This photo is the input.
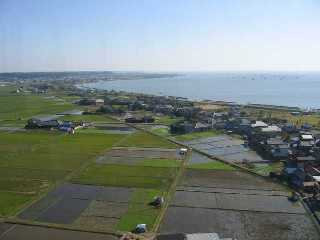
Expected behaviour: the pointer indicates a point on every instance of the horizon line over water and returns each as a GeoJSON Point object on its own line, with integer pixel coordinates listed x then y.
{"type": "Point", "coordinates": [171, 71]}
{"type": "Point", "coordinates": [292, 89]}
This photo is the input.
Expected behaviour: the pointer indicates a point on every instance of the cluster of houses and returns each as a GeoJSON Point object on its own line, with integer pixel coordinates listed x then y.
{"type": "Point", "coordinates": [297, 147]}
{"type": "Point", "coordinates": [52, 122]}
{"type": "Point", "coordinates": [277, 140]}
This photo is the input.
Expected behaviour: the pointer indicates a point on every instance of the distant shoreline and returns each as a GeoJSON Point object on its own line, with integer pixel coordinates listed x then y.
{"type": "Point", "coordinates": [292, 89]}
{"type": "Point", "coordinates": [209, 101]}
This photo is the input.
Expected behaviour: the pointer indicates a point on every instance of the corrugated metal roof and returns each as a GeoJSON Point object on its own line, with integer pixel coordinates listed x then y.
{"type": "Point", "coordinates": [46, 118]}
{"type": "Point", "coordinates": [259, 124]}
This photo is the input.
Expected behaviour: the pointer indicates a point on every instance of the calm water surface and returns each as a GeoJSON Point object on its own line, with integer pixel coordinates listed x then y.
{"type": "Point", "coordinates": [288, 89]}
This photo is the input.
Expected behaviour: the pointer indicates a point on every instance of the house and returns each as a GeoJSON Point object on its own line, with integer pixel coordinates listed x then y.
{"type": "Point", "coordinates": [305, 144]}
{"type": "Point", "coordinates": [136, 119]}
{"type": "Point", "coordinates": [295, 176]}
{"type": "Point", "coordinates": [302, 161]}
{"type": "Point", "coordinates": [220, 115]}
{"type": "Point", "coordinates": [271, 129]}
{"type": "Point", "coordinates": [289, 128]}
{"type": "Point", "coordinates": [277, 148]}
{"type": "Point", "coordinates": [259, 124]}
{"type": "Point", "coordinates": [43, 122]}
{"type": "Point", "coordinates": [244, 125]}
{"type": "Point", "coordinates": [164, 109]}
{"type": "Point", "coordinates": [295, 113]}
{"type": "Point", "coordinates": [90, 101]}
{"type": "Point", "coordinates": [186, 111]}
{"type": "Point", "coordinates": [200, 127]}
{"type": "Point", "coordinates": [99, 102]}
{"type": "Point", "coordinates": [307, 137]}
{"type": "Point", "coordinates": [181, 128]}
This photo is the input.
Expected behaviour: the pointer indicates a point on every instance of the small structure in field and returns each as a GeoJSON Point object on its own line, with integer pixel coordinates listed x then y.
{"type": "Point", "coordinates": [157, 202]}
{"type": "Point", "coordinates": [140, 228]}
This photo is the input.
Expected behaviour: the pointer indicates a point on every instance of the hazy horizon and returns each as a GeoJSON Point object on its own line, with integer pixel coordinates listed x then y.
{"type": "Point", "coordinates": [159, 36]}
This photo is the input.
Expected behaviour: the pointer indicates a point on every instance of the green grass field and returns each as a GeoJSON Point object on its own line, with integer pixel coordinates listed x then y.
{"type": "Point", "coordinates": [127, 176]}
{"type": "Point", "coordinates": [23, 185]}
{"type": "Point", "coordinates": [88, 118]}
{"type": "Point", "coordinates": [51, 150]}
{"type": "Point", "coordinates": [160, 163]}
{"type": "Point", "coordinates": [137, 214]}
{"type": "Point", "coordinates": [212, 165]}
{"type": "Point", "coordinates": [21, 107]}
{"type": "Point", "coordinates": [144, 139]}
{"type": "Point", "coordinates": [161, 131]}
{"type": "Point", "coordinates": [32, 161]}
{"type": "Point", "coordinates": [11, 202]}
{"type": "Point", "coordinates": [265, 168]}
{"type": "Point", "coordinates": [196, 135]}
{"type": "Point", "coordinates": [139, 211]}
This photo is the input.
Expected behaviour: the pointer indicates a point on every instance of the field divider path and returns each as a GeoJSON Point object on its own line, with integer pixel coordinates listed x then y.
{"type": "Point", "coordinates": [60, 227]}
{"type": "Point", "coordinates": [170, 194]}
{"type": "Point", "coordinates": [235, 209]}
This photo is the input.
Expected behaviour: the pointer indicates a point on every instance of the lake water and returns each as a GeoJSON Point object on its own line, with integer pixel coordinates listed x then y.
{"type": "Point", "coordinates": [287, 89]}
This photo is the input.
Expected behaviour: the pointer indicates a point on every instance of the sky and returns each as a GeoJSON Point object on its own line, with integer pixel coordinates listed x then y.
{"type": "Point", "coordinates": [159, 35]}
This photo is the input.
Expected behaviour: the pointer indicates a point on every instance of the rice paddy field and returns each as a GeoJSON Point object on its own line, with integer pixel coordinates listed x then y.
{"type": "Point", "coordinates": [51, 177]}
{"type": "Point", "coordinates": [54, 178]}
{"type": "Point", "coordinates": [34, 160]}
{"type": "Point", "coordinates": [144, 139]}
{"type": "Point", "coordinates": [235, 205]}
{"type": "Point", "coordinates": [16, 108]}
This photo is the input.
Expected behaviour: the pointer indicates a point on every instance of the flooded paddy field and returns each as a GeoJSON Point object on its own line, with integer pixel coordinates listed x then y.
{"type": "Point", "coordinates": [77, 204]}
{"type": "Point", "coordinates": [235, 204]}
{"type": "Point", "coordinates": [241, 225]}
{"type": "Point", "coordinates": [197, 158]}
{"type": "Point", "coordinates": [16, 231]}
{"type": "Point", "coordinates": [226, 179]}
{"type": "Point", "coordinates": [233, 191]}
{"type": "Point", "coordinates": [236, 201]}
{"type": "Point", "coordinates": [226, 147]}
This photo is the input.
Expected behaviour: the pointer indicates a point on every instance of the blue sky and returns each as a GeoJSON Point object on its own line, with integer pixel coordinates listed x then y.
{"type": "Point", "coordinates": [159, 35]}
